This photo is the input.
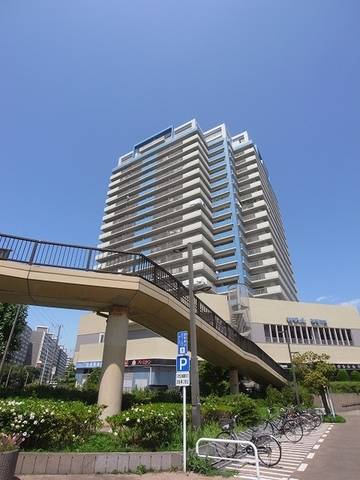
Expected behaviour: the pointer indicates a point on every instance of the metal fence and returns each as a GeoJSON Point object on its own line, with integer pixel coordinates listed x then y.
{"type": "Point", "coordinates": [39, 252]}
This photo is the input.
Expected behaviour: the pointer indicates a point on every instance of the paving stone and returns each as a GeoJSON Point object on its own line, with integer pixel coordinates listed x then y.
{"type": "Point", "coordinates": [19, 463]}
{"type": "Point", "coordinates": [112, 463]}
{"type": "Point", "coordinates": [40, 463]}
{"type": "Point", "coordinates": [123, 463]}
{"type": "Point", "coordinates": [89, 463]}
{"type": "Point", "coordinates": [52, 467]}
{"type": "Point", "coordinates": [65, 464]}
{"type": "Point", "coordinates": [100, 463]}
{"type": "Point", "coordinates": [77, 463]}
{"type": "Point", "coordinates": [134, 462]}
{"type": "Point", "coordinates": [28, 464]}
{"type": "Point", "coordinates": [155, 462]}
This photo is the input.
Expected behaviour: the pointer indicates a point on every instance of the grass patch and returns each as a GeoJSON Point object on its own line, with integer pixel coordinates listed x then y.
{"type": "Point", "coordinates": [337, 419]}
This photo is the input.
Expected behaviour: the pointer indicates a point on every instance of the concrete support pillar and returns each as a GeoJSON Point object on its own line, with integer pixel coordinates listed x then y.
{"type": "Point", "coordinates": [113, 362]}
{"type": "Point", "coordinates": [234, 381]}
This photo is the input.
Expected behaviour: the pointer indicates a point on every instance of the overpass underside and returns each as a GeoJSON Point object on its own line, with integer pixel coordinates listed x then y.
{"type": "Point", "coordinates": [146, 304]}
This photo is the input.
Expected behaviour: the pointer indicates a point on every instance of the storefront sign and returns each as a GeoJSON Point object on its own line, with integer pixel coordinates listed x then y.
{"type": "Point", "coordinates": [301, 321]}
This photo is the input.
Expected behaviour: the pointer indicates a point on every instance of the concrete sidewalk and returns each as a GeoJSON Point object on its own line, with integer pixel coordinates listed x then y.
{"type": "Point", "coordinates": [339, 455]}
{"type": "Point", "coordinates": [123, 476]}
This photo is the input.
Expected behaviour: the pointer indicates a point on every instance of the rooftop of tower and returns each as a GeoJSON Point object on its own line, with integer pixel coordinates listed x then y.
{"type": "Point", "coordinates": [171, 133]}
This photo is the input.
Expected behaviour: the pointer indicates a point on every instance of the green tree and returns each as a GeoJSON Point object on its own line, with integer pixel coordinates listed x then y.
{"type": "Point", "coordinates": [355, 376]}
{"type": "Point", "coordinates": [17, 376]}
{"type": "Point", "coordinates": [92, 381]}
{"type": "Point", "coordinates": [68, 379]}
{"type": "Point", "coordinates": [213, 380]}
{"type": "Point", "coordinates": [315, 372]}
{"type": "Point", "coordinates": [342, 376]}
{"type": "Point", "coordinates": [7, 317]}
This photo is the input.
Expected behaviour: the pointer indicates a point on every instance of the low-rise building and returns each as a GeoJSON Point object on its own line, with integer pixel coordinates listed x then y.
{"type": "Point", "coordinates": [150, 359]}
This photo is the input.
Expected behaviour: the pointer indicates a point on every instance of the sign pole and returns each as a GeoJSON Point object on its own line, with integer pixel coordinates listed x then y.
{"type": "Point", "coordinates": [183, 379]}
{"type": "Point", "coordinates": [184, 429]}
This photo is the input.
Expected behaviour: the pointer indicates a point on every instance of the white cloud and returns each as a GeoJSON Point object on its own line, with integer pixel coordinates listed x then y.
{"type": "Point", "coordinates": [321, 299]}
{"type": "Point", "coordinates": [355, 302]}
{"type": "Point", "coordinates": [326, 299]}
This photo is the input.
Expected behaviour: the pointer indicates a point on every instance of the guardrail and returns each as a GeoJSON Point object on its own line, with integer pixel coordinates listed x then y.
{"type": "Point", "coordinates": [212, 445]}
{"type": "Point", "coordinates": [51, 254]}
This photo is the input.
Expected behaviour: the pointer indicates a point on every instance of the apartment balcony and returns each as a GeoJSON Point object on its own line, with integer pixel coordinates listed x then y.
{"type": "Point", "coordinates": [253, 266]}
{"type": "Point", "coordinates": [275, 292]}
{"type": "Point", "coordinates": [249, 187]}
{"type": "Point", "coordinates": [227, 274]}
{"type": "Point", "coordinates": [250, 217]}
{"type": "Point", "coordinates": [251, 177]}
{"type": "Point", "coordinates": [263, 277]}
{"type": "Point", "coordinates": [257, 227]}
{"type": "Point", "coordinates": [228, 261]}
{"type": "Point", "coordinates": [259, 194]}
{"type": "Point", "coordinates": [246, 169]}
{"type": "Point", "coordinates": [266, 249]}
{"type": "Point", "coordinates": [254, 240]}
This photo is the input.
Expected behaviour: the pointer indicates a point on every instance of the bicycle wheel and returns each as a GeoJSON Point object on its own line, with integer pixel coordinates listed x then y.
{"type": "Point", "coordinates": [293, 431]}
{"type": "Point", "coordinates": [306, 423]}
{"type": "Point", "coordinates": [226, 450]}
{"type": "Point", "coordinates": [316, 419]}
{"type": "Point", "coordinates": [269, 450]}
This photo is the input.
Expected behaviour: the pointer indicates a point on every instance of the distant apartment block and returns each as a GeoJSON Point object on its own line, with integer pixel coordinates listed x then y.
{"type": "Point", "coordinates": [46, 354]}
{"type": "Point", "coordinates": [210, 189]}
{"type": "Point", "coordinates": [20, 356]}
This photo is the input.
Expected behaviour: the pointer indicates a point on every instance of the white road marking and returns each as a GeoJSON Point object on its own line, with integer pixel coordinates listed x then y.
{"type": "Point", "coordinates": [321, 440]}
{"type": "Point", "coordinates": [292, 460]}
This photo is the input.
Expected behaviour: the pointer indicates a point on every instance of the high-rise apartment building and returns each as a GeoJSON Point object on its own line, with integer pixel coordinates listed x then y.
{"type": "Point", "coordinates": [211, 189]}
{"type": "Point", "coordinates": [20, 355]}
{"type": "Point", "coordinates": [46, 354]}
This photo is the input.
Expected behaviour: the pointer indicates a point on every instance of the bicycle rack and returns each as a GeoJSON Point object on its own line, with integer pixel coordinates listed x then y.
{"type": "Point", "coordinates": [210, 441]}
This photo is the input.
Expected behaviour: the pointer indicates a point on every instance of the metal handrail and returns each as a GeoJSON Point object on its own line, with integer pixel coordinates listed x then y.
{"type": "Point", "coordinates": [55, 254]}
{"type": "Point", "coordinates": [214, 442]}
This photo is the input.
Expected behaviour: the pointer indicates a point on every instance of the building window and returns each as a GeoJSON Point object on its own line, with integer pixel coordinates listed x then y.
{"type": "Point", "coordinates": [101, 337]}
{"type": "Point", "coordinates": [267, 333]}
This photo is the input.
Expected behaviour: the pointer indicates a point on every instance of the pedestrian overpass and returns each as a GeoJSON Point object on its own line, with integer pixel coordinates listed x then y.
{"type": "Point", "coordinates": [125, 285]}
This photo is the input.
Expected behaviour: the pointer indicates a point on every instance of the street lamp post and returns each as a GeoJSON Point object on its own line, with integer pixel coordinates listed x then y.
{"type": "Point", "coordinates": [292, 366]}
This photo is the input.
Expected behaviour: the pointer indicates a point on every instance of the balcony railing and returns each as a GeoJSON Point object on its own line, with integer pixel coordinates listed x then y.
{"type": "Point", "coordinates": [39, 252]}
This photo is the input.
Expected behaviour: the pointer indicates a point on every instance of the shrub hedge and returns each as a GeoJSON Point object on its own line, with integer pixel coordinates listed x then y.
{"type": "Point", "coordinates": [48, 424]}
{"type": "Point", "coordinates": [222, 408]}
{"type": "Point", "coordinates": [345, 387]}
{"type": "Point", "coordinates": [147, 426]}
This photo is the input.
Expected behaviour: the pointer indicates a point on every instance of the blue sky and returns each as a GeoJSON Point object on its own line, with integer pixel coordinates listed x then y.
{"type": "Point", "coordinates": [83, 81]}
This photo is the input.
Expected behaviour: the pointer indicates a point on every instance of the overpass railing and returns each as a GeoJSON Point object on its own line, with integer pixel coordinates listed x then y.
{"type": "Point", "coordinates": [52, 254]}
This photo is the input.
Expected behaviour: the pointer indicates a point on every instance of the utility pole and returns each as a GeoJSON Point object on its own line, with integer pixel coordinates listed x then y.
{"type": "Point", "coordinates": [194, 370]}
{"type": "Point", "coordinates": [53, 358]}
{"type": "Point", "coordinates": [9, 339]}
{"type": "Point", "coordinates": [44, 366]}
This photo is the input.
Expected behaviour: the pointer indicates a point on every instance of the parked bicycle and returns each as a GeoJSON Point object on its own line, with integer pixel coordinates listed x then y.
{"type": "Point", "coordinates": [268, 448]}
{"type": "Point", "coordinates": [284, 426]}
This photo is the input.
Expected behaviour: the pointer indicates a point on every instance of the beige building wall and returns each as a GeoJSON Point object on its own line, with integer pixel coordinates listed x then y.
{"type": "Point", "coordinates": [144, 344]}
{"type": "Point", "coordinates": [277, 312]}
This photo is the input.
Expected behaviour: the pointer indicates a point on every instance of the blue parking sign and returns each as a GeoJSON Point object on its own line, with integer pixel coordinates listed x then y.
{"type": "Point", "coordinates": [182, 342]}
{"type": "Point", "coordinates": [183, 363]}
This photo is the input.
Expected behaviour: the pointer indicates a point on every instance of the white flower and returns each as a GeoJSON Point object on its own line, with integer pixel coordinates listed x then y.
{"type": "Point", "coordinates": [35, 422]}
{"type": "Point", "coordinates": [24, 434]}
{"type": "Point", "coordinates": [138, 420]}
{"type": "Point", "coordinates": [116, 434]}
{"type": "Point", "coordinates": [127, 419]}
